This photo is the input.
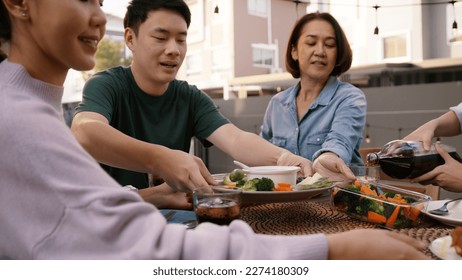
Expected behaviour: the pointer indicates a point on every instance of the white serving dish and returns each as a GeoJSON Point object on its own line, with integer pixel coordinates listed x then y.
{"type": "Point", "coordinates": [279, 174]}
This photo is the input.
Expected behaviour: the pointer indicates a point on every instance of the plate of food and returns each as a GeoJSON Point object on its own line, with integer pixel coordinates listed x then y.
{"type": "Point", "coordinates": [266, 188]}
{"type": "Point", "coordinates": [453, 218]}
{"type": "Point", "coordinates": [448, 247]}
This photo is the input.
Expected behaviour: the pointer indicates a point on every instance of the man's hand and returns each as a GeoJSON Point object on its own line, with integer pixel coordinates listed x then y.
{"type": "Point", "coordinates": [184, 172]}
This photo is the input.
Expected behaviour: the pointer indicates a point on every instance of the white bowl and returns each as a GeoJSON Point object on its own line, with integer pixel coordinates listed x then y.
{"type": "Point", "coordinates": [279, 174]}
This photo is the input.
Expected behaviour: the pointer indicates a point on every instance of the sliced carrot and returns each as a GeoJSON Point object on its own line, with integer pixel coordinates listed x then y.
{"type": "Point", "coordinates": [415, 211]}
{"type": "Point", "coordinates": [397, 199]}
{"type": "Point", "coordinates": [357, 183]}
{"type": "Point", "coordinates": [376, 218]}
{"type": "Point", "coordinates": [407, 211]}
{"type": "Point", "coordinates": [229, 186]}
{"type": "Point", "coordinates": [283, 187]}
{"type": "Point", "coordinates": [366, 190]}
{"type": "Point", "coordinates": [392, 219]}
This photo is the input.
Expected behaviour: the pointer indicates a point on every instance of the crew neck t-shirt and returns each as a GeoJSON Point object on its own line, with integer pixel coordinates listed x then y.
{"type": "Point", "coordinates": [171, 120]}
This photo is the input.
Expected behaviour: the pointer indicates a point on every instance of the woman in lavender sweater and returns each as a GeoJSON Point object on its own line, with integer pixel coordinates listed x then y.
{"type": "Point", "coordinates": [55, 200]}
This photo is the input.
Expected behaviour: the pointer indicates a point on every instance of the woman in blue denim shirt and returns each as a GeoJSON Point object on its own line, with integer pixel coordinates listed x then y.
{"type": "Point", "coordinates": [320, 118]}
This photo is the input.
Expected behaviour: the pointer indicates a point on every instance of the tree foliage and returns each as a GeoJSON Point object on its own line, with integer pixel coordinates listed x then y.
{"type": "Point", "coordinates": [110, 53]}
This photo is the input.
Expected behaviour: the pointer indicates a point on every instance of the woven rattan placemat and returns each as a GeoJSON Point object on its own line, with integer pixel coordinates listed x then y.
{"type": "Point", "coordinates": [307, 217]}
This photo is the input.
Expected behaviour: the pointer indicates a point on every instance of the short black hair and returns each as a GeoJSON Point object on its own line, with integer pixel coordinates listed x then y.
{"type": "Point", "coordinates": [5, 28]}
{"type": "Point", "coordinates": [344, 53]}
{"type": "Point", "coordinates": [138, 10]}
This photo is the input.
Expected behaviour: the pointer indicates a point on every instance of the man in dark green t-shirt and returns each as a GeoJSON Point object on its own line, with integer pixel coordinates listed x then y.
{"type": "Point", "coordinates": [140, 120]}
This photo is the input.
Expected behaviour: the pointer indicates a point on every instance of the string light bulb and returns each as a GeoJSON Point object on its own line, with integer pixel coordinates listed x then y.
{"type": "Point", "coordinates": [376, 29]}
{"type": "Point", "coordinates": [368, 138]}
{"type": "Point", "coordinates": [454, 24]}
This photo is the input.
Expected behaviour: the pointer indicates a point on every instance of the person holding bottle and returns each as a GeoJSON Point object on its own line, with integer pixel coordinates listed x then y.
{"type": "Point", "coordinates": [449, 175]}
{"type": "Point", "coordinates": [319, 118]}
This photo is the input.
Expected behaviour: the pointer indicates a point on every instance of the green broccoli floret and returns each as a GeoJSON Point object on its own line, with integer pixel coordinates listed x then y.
{"type": "Point", "coordinates": [265, 185]}
{"type": "Point", "coordinates": [365, 205]}
{"type": "Point", "coordinates": [250, 185]}
{"type": "Point", "coordinates": [354, 188]}
{"type": "Point", "coordinates": [257, 184]}
{"type": "Point", "coordinates": [240, 183]}
{"type": "Point", "coordinates": [376, 206]}
{"type": "Point", "coordinates": [236, 175]}
{"type": "Point", "coordinates": [347, 199]}
{"type": "Point", "coordinates": [390, 194]}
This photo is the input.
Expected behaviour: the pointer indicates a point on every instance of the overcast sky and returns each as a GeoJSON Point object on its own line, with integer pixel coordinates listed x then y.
{"type": "Point", "coordinates": [115, 7]}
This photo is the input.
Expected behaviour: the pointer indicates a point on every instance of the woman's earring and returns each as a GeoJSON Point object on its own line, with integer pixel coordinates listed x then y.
{"type": "Point", "coordinates": [24, 14]}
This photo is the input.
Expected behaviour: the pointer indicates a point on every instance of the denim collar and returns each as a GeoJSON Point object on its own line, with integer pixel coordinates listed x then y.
{"type": "Point", "coordinates": [325, 96]}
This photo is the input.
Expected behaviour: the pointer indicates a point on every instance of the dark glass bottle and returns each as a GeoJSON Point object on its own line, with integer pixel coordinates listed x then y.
{"type": "Point", "coordinates": [407, 159]}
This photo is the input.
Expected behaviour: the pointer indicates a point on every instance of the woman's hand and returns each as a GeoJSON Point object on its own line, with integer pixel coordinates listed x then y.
{"type": "Point", "coordinates": [374, 244]}
{"type": "Point", "coordinates": [331, 166]}
{"type": "Point", "coordinates": [289, 159]}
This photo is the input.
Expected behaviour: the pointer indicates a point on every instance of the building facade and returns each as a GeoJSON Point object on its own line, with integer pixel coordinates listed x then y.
{"type": "Point", "coordinates": [237, 47]}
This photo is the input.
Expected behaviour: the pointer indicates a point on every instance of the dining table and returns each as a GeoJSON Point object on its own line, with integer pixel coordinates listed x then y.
{"type": "Point", "coordinates": [316, 215]}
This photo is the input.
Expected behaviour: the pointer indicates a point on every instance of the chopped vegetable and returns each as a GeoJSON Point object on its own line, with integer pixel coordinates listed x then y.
{"type": "Point", "coordinates": [316, 185]}
{"type": "Point", "coordinates": [265, 185]}
{"type": "Point", "coordinates": [236, 175]}
{"type": "Point", "coordinates": [369, 202]}
{"type": "Point", "coordinates": [283, 187]}
{"type": "Point", "coordinates": [256, 184]}
{"type": "Point", "coordinates": [376, 218]}
{"type": "Point", "coordinates": [250, 185]}
{"type": "Point", "coordinates": [227, 181]}
{"type": "Point", "coordinates": [392, 219]}
{"type": "Point", "coordinates": [235, 179]}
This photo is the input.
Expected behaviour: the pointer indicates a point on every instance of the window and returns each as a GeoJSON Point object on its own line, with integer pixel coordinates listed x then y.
{"type": "Point", "coordinates": [396, 47]}
{"type": "Point", "coordinates": [220, 59]}
{"type": "Point", "coordinates": [258, 7]}
{"type": "Point", "coordinates": [193, 64]}
{"type": "Point", "coordinates": [196, 29]}
{"type": "Point", "coordinates": [264, 56]}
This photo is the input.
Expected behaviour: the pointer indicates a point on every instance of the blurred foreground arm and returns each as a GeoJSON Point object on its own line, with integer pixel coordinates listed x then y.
{"type": "Point", "coordinates": [374, 244]}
